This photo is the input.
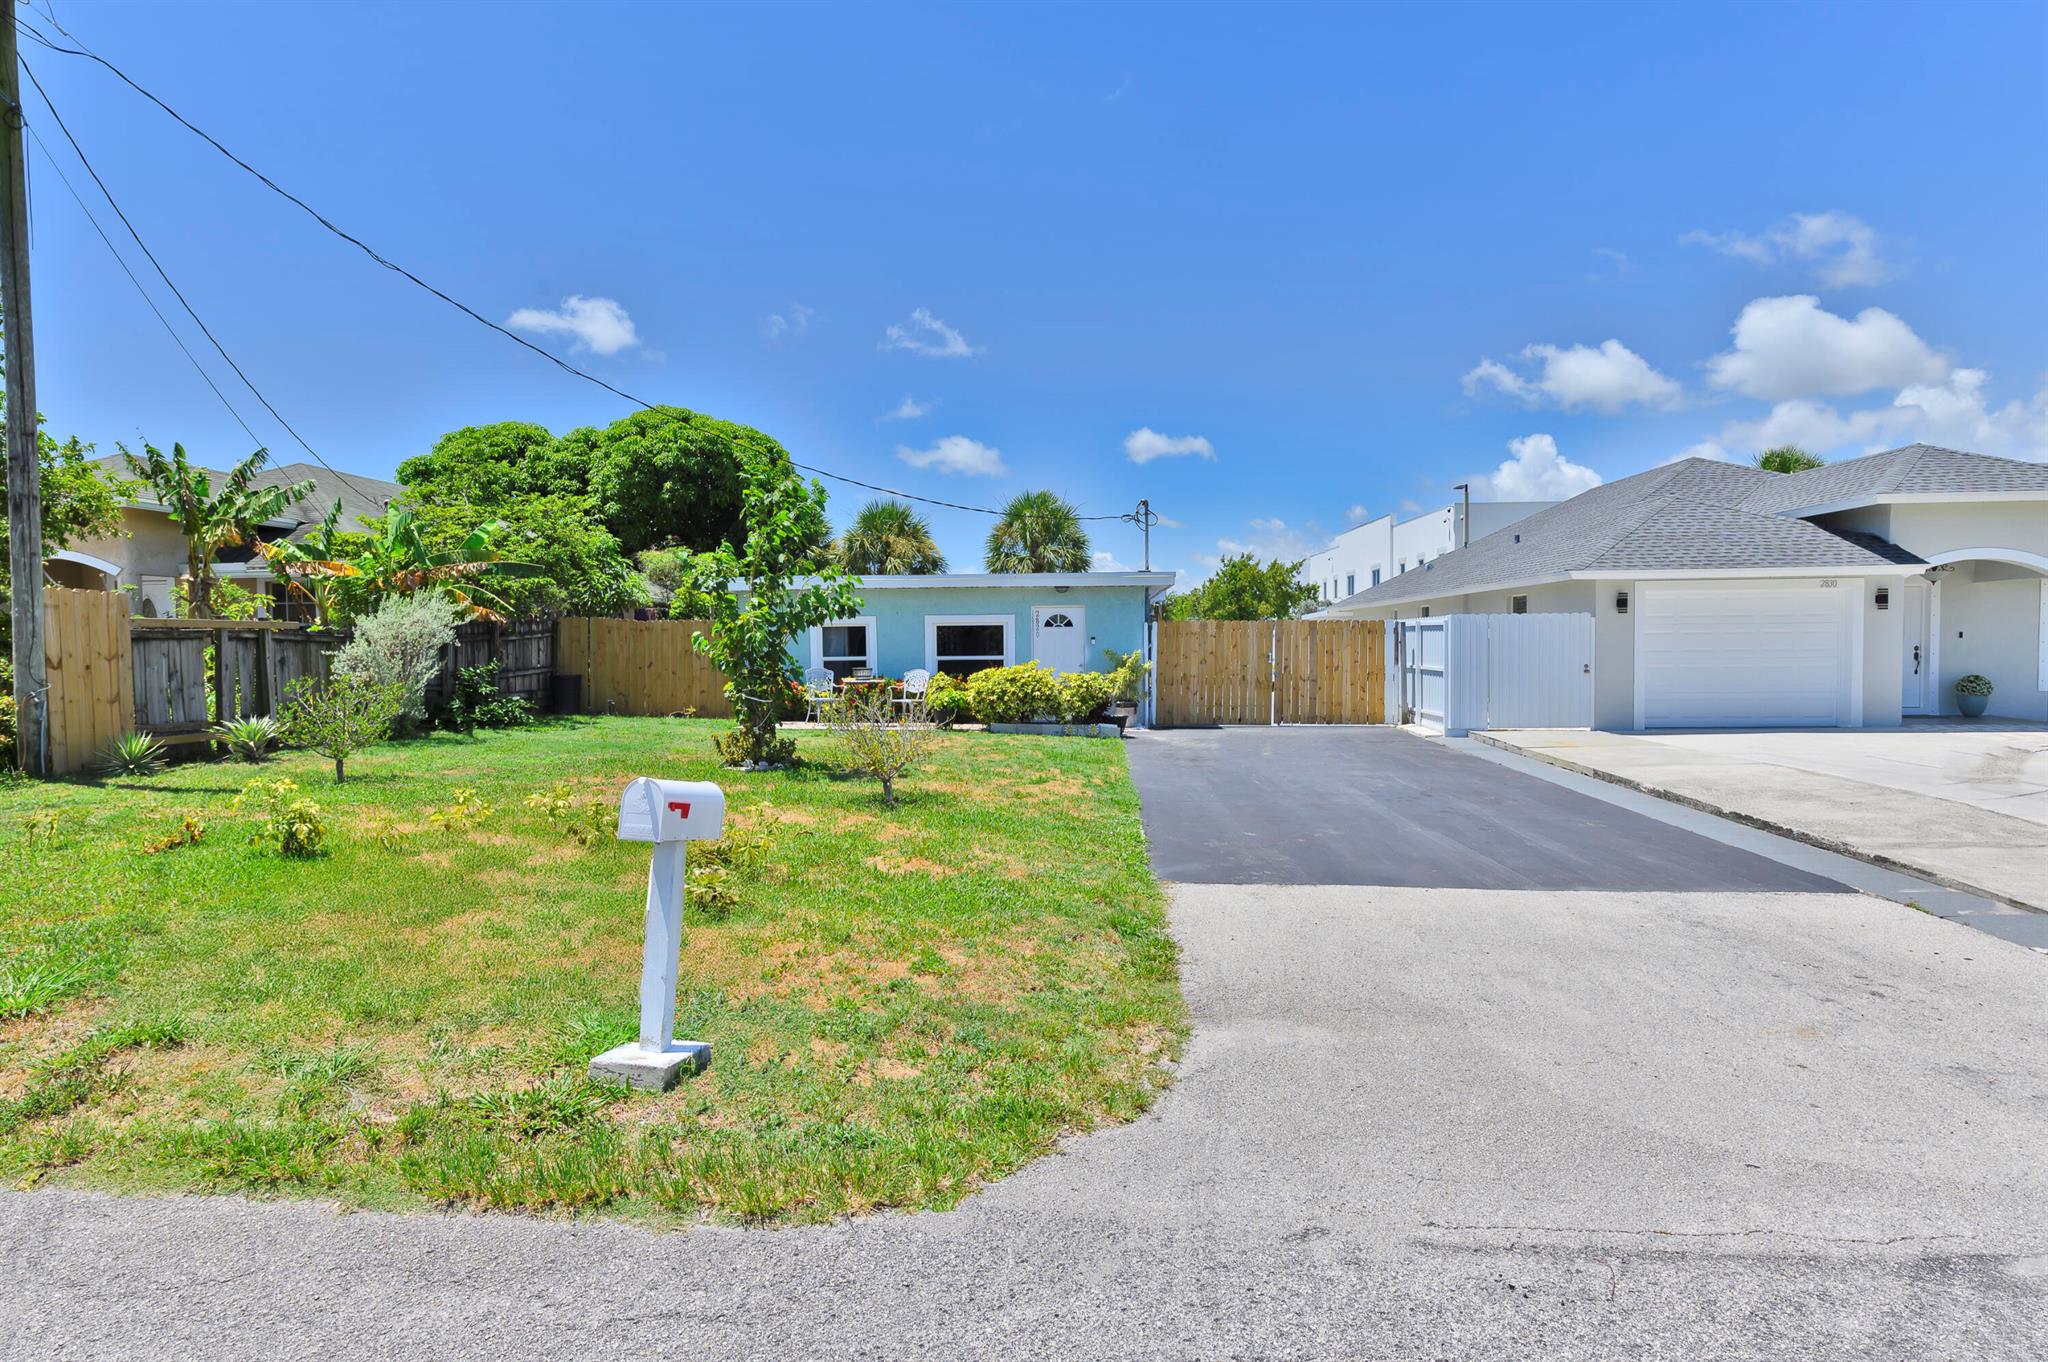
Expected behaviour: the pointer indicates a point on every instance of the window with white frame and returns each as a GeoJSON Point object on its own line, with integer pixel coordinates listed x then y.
{"type": "Point", "coordinates": [1520, 605]}
{"type": "Point", "coordinates": [844, 647]}
{"type": "Point", "coordinates": [1350, 583]}
{"type": "Point", "coordinates": [1375, 576]}
{"type": "Point", "coordinates": [961, 645]}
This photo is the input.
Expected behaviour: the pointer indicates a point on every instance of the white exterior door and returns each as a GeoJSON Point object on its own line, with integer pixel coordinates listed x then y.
{"type": "Point", "coordinates": [1764, 654]}
{"type": "Point", "coordinates": [1059, 637]}
{"type": "Point", "coordinates": [1916, 619]}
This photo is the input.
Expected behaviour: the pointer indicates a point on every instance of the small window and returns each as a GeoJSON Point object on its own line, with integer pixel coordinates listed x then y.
{"type": "Point", "coordinates": [1520, 605]}
{"type": "Point", "coordinates": [844, 649]}
{"type": "Point", "coordinates": [1403, 568]}
{"type": "Point", "coordinates": [1350, 583]}
{"type": "Point", "coordinates": [1518, 539]}
{"type": "Point", "coordinates": [1375, 576]}
{"type": "Point", "coordinates": [1425, 612]}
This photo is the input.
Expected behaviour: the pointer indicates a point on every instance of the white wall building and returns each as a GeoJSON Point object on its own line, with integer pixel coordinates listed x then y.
{"type": "Point", "coordinates": [1380, 550]}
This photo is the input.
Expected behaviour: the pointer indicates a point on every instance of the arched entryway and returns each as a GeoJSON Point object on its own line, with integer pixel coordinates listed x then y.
{"type": "Point", "coordinates": [1977, 611]}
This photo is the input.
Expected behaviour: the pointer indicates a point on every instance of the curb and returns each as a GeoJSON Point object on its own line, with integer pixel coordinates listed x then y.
{"type": "Point", "coordinates": [1764, 825]}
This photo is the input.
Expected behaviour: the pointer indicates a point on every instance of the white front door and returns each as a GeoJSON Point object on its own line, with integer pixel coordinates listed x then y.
{"type": "Point", "coordinates": [1059, 637]}
{"type": "Point", "coordinates": [1916, 618]}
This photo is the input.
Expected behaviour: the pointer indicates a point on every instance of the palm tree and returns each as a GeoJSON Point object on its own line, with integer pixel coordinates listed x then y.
{"type": "Point", "coordinates": [887, 538]}
{"type": "Point", "coordinates": [398, 562]}
{"type": "Point", "coordinates": [211, 519]}
{"type": "Point", "coordinates": [1037, 532]}
{"type": "Point", "coordinates": [1788, 459]}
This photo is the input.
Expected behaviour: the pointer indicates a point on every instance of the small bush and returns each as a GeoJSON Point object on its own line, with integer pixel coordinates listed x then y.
{"type": "Point", "coordinates": [340, 716]}
{"type": "Point", "coordinates": [476, 703]}
{"type": "Point", "coordinates": [1015, 695]}
{"type": "Point", "coordinates": [1127, 673]}
{"type": "Point", "coordinates": [290, 824]}
{"type": "Point", "coordinates": [949, 701]}
{"type": "Point", "coordinates": [747, 747]}
{"type": "Point", "coordinates": [189, 832]}
{"type": "Point", "coordinates": [399, 646]}
{"type": "Point", "coordinates": [1083, 694]}
{"type": "Point", "coordinates": [132, 754]}
{"type": "Point", "coordinates": [248, 739]}
{"type": "Point", "coordinates": [882, 738]}
{"type": "Point", "coordinates": [1973, 684]}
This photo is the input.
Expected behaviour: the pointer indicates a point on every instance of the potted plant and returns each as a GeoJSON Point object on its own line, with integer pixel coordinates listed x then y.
{"type": "Point", "coordinates": [1127, 673]}
{"type": "Point", "coordinates": [1973, 694]}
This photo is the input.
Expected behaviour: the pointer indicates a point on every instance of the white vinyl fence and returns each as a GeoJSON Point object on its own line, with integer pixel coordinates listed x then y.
{"type": "Point", "coordinates": [1457, 673]}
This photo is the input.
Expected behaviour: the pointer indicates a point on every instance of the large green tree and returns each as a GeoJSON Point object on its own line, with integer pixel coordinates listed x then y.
{"type": "Point", "coordinates": [1788, 459]}
{"type": "Point", "coordinates": [1243, 588]}
{"type": "Point", "coordinates": [211, 517]}
{"type": "Point", "coordinates": [490, 466]}
{"type": "Point", "coordinates": [888, 538]}
{"type": "Point", "coordinates": [578, 568]}
{"type": "Point", "coordinates": [669, 476]}
{"type": "Point", "coordinates": [1037, 532]}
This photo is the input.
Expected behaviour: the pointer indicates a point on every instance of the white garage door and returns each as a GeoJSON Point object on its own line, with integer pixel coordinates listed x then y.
{"type": "Point", "coordinates": [1756, 655]}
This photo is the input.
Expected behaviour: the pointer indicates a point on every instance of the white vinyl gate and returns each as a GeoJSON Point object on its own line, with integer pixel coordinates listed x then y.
{"type": "Point", "coordinates": [1461, 672]}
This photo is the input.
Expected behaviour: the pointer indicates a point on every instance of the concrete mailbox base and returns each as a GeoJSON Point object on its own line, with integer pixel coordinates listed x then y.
{"type": "Point", "coordinates": [653, 1070]}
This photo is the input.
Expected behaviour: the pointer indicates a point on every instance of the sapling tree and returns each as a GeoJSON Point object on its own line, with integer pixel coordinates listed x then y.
{"type": "Point", "coordinates": [883, 737]}
{"type": "Point", "coordinates": [340, 716]}
{"type": "Point", "coordinates": [764, 595]}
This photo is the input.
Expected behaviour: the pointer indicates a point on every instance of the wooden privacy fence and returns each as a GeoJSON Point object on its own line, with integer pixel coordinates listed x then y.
{"type": "Point", "coordinates": [91, 687]}
{"type": "Point", "coordinates": [640, 666]}
{"type": "Point", "coordinates": [524, 650]}
{"type": "Point", "coordinates": [1271, 671]}
{"type": "Point", "coordinates": [255, 664]}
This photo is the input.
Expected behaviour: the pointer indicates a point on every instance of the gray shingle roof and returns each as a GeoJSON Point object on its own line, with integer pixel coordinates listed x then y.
{"type": "Point", "coordinates": [1914, 469]}
{"type": "Point", "coordinates": [359, 496]}
{"type": "Point", "coordinates": [1703, 515]}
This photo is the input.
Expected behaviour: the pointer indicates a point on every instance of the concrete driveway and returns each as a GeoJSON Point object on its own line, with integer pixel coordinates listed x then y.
{"type": "Point", "coordinates": [1964, 804]}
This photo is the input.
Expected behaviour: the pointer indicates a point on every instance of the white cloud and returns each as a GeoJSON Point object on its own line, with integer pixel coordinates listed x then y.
{"type": "Point", "coordinates": [1954, 412]}
{"type": "Point", "coordinates": [927, 335]}
{"type": "Point", "coordinates": [1841, 248]}
{"type": "Point", "coordinates": [1793, 347]}
{"type": "Point", "coordinates": [1146, 444]}
{"type": "Point", "coordinates": [1355, 512]}
{"type": "Point", "coordinates": [794, 321]}
{"type": "Point", "coordinates": [909, 409]}
{"type": "Point", "coordinates": [1271, 538]}
{"type": "Point", "coordinates": [597, 324]}
{"type": "Point", "coordinates": [1106, 561]}
{"type": "Point", "coordinates": [1537, 472]}
{"type": "Point", "coordinates": [1606, 378]}
{"type": "Point", "coordinates": [956, 454]}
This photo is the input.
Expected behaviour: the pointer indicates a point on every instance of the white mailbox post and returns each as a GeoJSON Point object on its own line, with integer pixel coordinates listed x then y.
{"type": "Point", "coordinates": [670, 814]}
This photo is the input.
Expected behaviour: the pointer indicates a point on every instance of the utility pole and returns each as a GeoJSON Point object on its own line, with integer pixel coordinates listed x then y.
{"type": "Point", "coordinates": [1144, 517]}
{"type": "Point", "coordinates": [24, 490]}
{"type": "Point", "coordinates": [1465, 522]}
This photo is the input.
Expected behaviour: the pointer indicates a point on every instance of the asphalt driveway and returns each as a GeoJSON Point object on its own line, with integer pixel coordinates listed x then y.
{"type": "Point", "coordinates": [1377, 806]}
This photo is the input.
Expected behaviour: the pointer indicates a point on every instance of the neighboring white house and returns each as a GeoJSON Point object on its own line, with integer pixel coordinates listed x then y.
{"type": "Point", "coordinates": [1365, 555]}
{"type": "Point", "coordinates": [1725, 596]}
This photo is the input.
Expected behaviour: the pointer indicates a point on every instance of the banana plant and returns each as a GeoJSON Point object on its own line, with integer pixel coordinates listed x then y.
{"type": "Point", "coordinates": [397, 562]}
{"type": "Point", "coordinates": [211, 518]}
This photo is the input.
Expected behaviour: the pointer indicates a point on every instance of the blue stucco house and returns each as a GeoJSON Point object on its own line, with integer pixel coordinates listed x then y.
{"type": "Point", "coordinates": [962, 622]}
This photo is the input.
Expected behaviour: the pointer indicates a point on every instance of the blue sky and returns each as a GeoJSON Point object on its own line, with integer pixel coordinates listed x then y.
{"type": "Point", "coordinates": [1314, 262]}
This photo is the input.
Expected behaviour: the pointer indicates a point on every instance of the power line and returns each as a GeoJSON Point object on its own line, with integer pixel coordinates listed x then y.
{"type": "Point", "coordinates": [178, 340]}
{"type": "Point", "coordinates": [464, 308]}
{"type": "Point", "coordinates": [190, 311]}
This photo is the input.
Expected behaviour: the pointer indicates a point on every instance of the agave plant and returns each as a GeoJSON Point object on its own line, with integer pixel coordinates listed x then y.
{"type": "Point", "coordinates": [132, 754]}
{"type": "Point", "coordinates": [250, 739]}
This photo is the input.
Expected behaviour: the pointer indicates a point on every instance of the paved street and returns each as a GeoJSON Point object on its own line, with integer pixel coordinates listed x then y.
{"type": "Point", "coordinates": [1469, 1123]}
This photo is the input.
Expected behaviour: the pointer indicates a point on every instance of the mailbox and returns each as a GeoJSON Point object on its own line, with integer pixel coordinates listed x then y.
{"type": "Point", "coordinates": [671, 814]}
{"type": "Point", "coordinates": [671, 811]}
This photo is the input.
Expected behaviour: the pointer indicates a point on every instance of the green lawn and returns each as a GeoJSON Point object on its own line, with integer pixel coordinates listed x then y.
{"type": "Point", "coordinates": [902, 1004]}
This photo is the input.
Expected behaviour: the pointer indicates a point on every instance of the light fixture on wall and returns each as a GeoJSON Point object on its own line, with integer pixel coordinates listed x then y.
{"type": "Point", "coordinates": [1621, 602]}
{"type": "Point", "coordinates": [1884, 598]}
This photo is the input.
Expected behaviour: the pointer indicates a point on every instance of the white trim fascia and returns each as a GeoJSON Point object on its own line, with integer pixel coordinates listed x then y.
{"type": "Point", "coordinates": [931, 636]}
{"type": "Point", "coordinates": [873, 656]}
{"type": "Point", "coordinates": [2017, 557]}
{"type": "Point", "coordinates": [2041, 642]}
{"type": "Point", "coordinates": [1905, 499]}
{"type": "Point", "coordinates": [1743, 574]}
{"type": "Point", "coordinates": [941, 581]}
{"type": "Point", "coordinates": [277, 522]}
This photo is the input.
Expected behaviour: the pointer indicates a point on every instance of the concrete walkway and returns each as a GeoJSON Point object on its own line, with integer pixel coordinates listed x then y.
{"type": "Point", "coordinates": [1928, 802]}
{"type": "Point", "coordinates": [1442, 1123]}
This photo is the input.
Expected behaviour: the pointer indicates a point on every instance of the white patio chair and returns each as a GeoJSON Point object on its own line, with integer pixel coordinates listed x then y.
{"type": "Point", "coordinates": [818, 693]}
{"type": "Point", "coordinates": [915, 683]}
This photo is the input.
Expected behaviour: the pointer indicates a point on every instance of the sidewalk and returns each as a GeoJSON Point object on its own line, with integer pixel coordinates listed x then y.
{"type": "Point", "coordinates": [1964, 845]}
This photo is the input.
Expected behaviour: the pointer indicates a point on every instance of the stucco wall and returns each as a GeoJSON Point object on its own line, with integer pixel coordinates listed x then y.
{"type": "Point", "coordinates": [1944, 527]}
{"type": "Point", "coordinates": [1991, 625]}
{"type": "Point", "coordinates": [1114, 618]}
{"type": "Point", "coordinates": [153, 547]}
